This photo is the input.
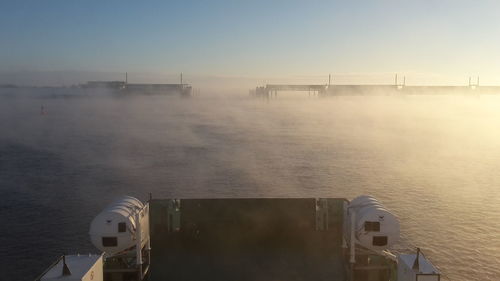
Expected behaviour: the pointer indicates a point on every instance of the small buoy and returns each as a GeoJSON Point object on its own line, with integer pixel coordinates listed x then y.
{"type": "Point", "coordinates": [42, 110]}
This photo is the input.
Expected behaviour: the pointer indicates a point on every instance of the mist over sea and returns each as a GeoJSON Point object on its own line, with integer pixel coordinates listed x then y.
{"type": "Point", "coordinates": [434, 161]}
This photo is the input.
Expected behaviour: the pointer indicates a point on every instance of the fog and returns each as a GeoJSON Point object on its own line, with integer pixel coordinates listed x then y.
{"type": "Point", "coordinates": [432, 160]}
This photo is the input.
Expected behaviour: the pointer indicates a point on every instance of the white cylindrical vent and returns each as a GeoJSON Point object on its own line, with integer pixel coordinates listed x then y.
{"type": "Point", "coordinates": [114, 230]}
{"type": "Point", "coordinates": [375, 227]}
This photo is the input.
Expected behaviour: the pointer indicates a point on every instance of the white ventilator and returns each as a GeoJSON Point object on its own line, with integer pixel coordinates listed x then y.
{"type": "Point", "coordinates": [119, 226]}
{"type": "Point", "coordinates": [371, 224]}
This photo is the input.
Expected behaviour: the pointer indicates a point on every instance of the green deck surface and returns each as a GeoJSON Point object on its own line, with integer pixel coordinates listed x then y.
{"type": "Point", "coordinates": [245, 239]}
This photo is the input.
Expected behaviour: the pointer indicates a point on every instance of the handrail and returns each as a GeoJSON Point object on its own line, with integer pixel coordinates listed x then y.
{"type": "Point", "coordinates": [39, 277]}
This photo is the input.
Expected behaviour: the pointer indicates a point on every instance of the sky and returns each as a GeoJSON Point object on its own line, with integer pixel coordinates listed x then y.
{"type": "Point", "coordinates": [427, 40]}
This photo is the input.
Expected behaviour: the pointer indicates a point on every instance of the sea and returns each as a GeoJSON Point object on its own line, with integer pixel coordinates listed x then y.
{"type": "Point", "coordinates": [433, 161]}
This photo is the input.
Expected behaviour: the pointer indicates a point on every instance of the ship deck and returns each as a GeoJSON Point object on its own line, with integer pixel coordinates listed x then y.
{"type": "Point", "coordinates": [246, 239]}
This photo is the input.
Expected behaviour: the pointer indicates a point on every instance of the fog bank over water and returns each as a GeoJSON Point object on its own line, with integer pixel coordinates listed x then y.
{"type": "Point", "coordinates": [432, 160]}
{"type": "Point", "coordinates": [238, 83]}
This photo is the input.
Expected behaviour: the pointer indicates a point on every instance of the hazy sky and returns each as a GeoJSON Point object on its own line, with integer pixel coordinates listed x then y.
{"type": "Point", "coordinates": [455, 38]}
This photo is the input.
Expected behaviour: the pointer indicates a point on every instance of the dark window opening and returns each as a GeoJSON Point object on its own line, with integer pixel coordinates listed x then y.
{"type": "Point", "coordinates": [379, 240]}
{"type": "Point", "coordinates": [372, 226]}
{"type": "Point", "coordinates": [109, 241]}
{"type": "Point", "coordinates": [122, 227]}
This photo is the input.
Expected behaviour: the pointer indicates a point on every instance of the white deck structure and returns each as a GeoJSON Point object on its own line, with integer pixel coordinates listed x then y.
{"type": "Point", "coordinates": [424, 271]}
{"type": "Point", "coordinates": [81, 268]}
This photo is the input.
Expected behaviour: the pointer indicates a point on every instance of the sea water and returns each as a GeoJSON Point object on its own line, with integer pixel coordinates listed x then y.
{"type": "Point", "coordinates": [434, 161]}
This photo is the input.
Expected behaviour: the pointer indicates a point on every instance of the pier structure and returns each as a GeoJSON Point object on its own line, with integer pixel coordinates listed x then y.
{"type": "Point", "coordinates": [271, 90]}
{"type": "Point", "coordinates": [111, 85]}
{"type": "Point", "coordinates": [181, 89]}
{"type": "Point", "coordinates": [398, 88]}
{"type": "Point", "coordinates": [125, 87]}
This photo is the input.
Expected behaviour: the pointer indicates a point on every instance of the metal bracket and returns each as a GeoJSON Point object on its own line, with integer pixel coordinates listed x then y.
{"type": "Point", "coordinates": [174, 215]}
{"type": "Point", "coordinates": [322, 214]}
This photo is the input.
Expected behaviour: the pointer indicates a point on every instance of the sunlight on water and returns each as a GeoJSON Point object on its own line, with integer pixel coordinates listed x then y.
{"type": "Point", "coordinates": [432, 160]}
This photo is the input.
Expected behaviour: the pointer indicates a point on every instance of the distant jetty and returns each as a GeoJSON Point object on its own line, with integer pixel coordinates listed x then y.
{"type": "Point", "coordinates": [126, 88]}
{"type": "Point", "coordinates": [271, 90]}
{"type": "Point", "coordinates": [181, 88]}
